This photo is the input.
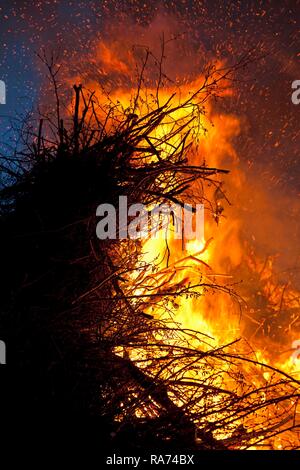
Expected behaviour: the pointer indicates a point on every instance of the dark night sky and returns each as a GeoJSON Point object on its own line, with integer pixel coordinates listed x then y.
{"type": "Point", "coordinates": [269, 144]}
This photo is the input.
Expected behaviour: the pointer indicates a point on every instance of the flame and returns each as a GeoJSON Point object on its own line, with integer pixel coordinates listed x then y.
{"type": "Point", "coordinates": [223, 251]}
{"type": "Point", "coordinates": [110, 61]}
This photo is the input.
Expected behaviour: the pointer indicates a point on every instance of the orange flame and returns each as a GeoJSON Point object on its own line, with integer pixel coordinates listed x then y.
{"type": "Point", "coordinates": [223, 250]}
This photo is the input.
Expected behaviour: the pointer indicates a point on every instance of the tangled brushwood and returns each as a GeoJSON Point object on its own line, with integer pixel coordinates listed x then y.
{"type": "Point", "coordinates": [77, 311]}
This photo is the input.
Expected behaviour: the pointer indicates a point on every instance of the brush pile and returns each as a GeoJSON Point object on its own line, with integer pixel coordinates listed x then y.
{"type": "Point", "coordinates": [80, 341]}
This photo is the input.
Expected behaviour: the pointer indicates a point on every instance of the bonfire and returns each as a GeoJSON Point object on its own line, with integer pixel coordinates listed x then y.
{"type": "Point", "coordinates": [154, 336]}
